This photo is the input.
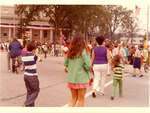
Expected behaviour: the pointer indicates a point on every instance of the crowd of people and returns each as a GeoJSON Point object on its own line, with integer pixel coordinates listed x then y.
{"type": "Point", "coordinates": [86, 64]}
{"type": "Point", "coordinates": [4, 46]}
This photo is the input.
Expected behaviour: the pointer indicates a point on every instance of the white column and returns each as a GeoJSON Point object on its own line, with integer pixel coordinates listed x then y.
{"type": "Point", "coordinates": [51, 35]}
{"type": "Point", "coordinates": [147, 22]}
{"type": "Point", "coordinates": [30, 34]}
{"type": "Point", "coordinates": [41, 35]}
{"type": "Point", "coordinates": [9, 33]}
{"type": "Point", "coordinates": [61, 37]}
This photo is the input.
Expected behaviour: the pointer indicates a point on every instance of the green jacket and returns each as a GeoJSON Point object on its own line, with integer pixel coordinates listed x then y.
{"type": "Point", "coordinates": [79, 69]}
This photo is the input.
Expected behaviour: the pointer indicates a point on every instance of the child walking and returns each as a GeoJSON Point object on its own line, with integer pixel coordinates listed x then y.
{"type": "Point", "coordinates": [30, 75]}
{"type": "Point", "coordinates": [118, 76]}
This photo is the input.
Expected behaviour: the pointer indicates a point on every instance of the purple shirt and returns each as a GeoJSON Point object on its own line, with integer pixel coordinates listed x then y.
{"type": "Point", "coordinates": [100, 55]}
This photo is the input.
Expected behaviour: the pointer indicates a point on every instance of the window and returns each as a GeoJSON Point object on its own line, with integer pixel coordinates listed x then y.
{"type": "Point", "coordinates": [35, 34]}
{"type": "Point", "coordinates": [45, 33]}
{"type": "Point", "coordinates": [5, 11]}
{"type": "Point", "coordinates": [5, 34]}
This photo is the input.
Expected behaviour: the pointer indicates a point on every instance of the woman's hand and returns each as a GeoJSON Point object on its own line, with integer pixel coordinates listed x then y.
{"type": "Point", "coordinates": [66, 69]}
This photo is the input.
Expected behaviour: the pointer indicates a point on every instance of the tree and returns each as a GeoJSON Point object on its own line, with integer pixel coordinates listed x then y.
{"type": "Point", "coordinates": [114, 18]}
{"type": "Point", "coordinates": [55, 14]}
{"type": "Point", "coordinates": [145, 36]}
{"type": "Point", "coordinates": [83, 18]}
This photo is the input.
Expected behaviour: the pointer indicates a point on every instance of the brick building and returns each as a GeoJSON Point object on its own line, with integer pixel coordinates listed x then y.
{"type": "Point", "coordinates": [39, 30]}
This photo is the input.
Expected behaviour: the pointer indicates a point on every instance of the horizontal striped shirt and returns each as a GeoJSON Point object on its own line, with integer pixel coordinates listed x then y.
{"type": "Point", "coordinates": [118, 71]}
{"type": "Point", "coordinates": [29, 61]}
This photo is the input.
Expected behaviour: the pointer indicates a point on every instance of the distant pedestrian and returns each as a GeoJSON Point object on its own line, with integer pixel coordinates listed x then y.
{"type": "Point", "coordinates": [45, 49]}
{"type": "Point", "coordinates": [78, 66]}
{"type": "Point", "coordinates": [118, 76]}
{"type": "Point", "coordinates": [24, 51]}
{"type": "Point", "coordinates": [56, 50]}
{"type": "Point", "coordinates": [137, 61]}
{"type": "Point", "coordinates": [30, 75]}
{"type": "Point", "coordinates": [145, 58]}
{"type": "Point", "coordinates": [120, 51]}
{"type": "Point", "coordinates": [149, 56]}
{"type": "Point", "coordinates": [131, 52]}
{"type": "Point", "coordinates": [15, 49]}
{"type": "Point", "coordinates": [66, 47]}
{"type": "Point", "coordinates": [109, 48]}
{"type": "Point", "coordinates": [126, 50]}
{"type": "Point", "coordinates": [9, 57]}
{"type": "Point", "coordinates": [100, 59]}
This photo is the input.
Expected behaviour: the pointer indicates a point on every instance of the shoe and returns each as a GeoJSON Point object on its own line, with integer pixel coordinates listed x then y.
{"type": "Point", "coordinates": [141, 76]}
{"type": "Point", "coordinates": [102, 94]}
{"type": "Point", "coordinates": [133, 75]}
{"type": "Point", "coordinates": [93, 95]}
{"type": "Point", "coordinates": [112, 98]}
{"type": "Point", "coordinates": [108, 74]}
{"type": "Point", "coordinates": [9, 70]}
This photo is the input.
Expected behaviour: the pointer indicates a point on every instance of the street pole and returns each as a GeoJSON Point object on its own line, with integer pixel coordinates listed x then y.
{"type": "Point", "coordinates": [14, 19]}
{"type": "Point", "coordinates": [147, 22]}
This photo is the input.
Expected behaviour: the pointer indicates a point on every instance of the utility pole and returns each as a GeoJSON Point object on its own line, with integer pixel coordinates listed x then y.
{"type": "Point", "coordinates": [14, 20]}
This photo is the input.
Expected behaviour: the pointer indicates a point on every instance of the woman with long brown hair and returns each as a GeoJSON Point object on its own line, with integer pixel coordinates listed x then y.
{"type": "Point", "coordinates": [78, 65]}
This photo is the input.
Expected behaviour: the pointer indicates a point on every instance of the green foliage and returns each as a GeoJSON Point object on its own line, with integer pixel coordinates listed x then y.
{"type": "Point", "coordinates": [84, 18]}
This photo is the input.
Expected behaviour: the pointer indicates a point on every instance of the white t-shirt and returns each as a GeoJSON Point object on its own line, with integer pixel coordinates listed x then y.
{"type": "Point", "coordinates": [120, 51]}
{"type": "Point", "coordinates": [90, 46]}
{"type": "Point", "coordinates": [65, 49]}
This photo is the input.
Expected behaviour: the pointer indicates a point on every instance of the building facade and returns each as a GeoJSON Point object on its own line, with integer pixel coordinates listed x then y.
{"type": "Point", "coordinates": [39, 30]}
{"type": "Point", "coordinates": [135, 40]}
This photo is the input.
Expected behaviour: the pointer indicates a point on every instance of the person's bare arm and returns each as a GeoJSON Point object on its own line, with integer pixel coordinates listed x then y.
{"type": "Point", "coordinates": [108, 57]}
{"type": "Point", "coordinates": [123, 75]}
{"type": "Point", "coordinates": [93, 57]}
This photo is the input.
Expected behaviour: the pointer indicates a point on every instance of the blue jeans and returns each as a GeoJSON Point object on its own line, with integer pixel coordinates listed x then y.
{"type": "Point", "coordinates": [32, 86]}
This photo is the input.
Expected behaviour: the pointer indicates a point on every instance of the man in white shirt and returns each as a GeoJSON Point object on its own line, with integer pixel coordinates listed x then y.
{"type": "Point", "coordinates": [119, 50]}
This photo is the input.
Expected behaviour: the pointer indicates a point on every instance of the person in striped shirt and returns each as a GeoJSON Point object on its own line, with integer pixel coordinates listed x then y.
{"type": "Point", "coordinates": [118, 75]}
{"type": "Point", "coordinates": [30, 75]}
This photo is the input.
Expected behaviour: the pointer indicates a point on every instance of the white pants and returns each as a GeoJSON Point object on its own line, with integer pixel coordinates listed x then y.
{"type": "Point", "coordinates": [100, 71]}
{"type": "Point", "coordinates": [109, 69]}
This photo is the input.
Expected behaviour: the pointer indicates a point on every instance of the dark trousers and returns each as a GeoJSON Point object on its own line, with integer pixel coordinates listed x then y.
{"type": "Point", "coordinates": [56, 52]}
{"type": "Point", "coordinates": [32, 86]}
{"type": "Point", "coordinates": [45, 54]}
{"type": "Point", "coordinates": [16, 62]}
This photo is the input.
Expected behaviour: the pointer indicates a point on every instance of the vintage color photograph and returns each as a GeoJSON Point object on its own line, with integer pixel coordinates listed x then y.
{"type": "Point", "coordinates": [74, 55]}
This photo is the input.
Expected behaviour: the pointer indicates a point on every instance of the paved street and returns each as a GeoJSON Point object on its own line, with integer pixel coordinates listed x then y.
{"type": "Point", "coordinates": [54, 93]}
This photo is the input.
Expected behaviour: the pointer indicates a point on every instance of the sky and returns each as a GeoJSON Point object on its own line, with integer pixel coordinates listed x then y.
{"type": "Point", "coordinates": [142, 17]}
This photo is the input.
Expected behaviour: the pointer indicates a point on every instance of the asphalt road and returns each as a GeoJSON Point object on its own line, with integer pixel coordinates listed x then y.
{"type": "Point", "coordinates": [54, 92]}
